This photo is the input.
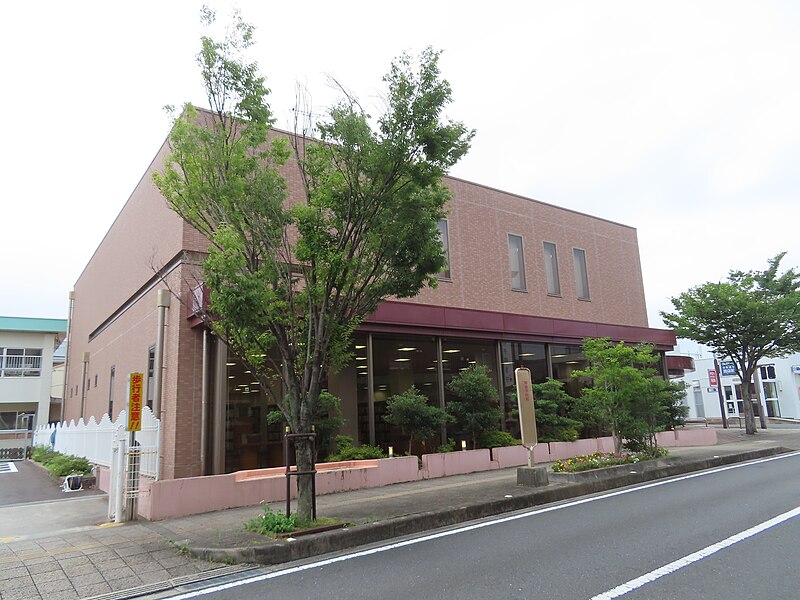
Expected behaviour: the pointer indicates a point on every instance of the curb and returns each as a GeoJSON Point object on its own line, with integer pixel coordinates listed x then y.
{"type": "Point", "coordinates": [281, 551]}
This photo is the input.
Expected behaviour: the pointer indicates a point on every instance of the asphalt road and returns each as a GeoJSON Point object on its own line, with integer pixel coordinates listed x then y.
{"type": "Point", "coordinates": [726, 533]}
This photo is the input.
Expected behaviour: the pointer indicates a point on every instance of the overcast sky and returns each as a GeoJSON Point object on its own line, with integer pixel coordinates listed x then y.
{"type": "Point", "coordinates": [677, 118]}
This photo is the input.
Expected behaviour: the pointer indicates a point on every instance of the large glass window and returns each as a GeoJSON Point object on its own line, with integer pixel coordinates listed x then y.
{"type": "Point", "coordinates": [250, 443]}
{"type": "Point", "coordinates": [399, 363]}
{"type": "Point", "coordinates": [516, 262]}
{"type": "Point", "coordinates": [514, 355]}
{"type": "Point", "coordinates": [551, 269]}
{"type": "Point", "coordinates": [581, 275]}
{"type": "Point", "coordinates": [565, 359]}
{"type": "Point", "coordinates": [445, 239]}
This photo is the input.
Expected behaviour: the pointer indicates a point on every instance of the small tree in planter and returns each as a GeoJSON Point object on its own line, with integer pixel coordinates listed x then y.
{"type": "Point", "coordinates": [416, 418]}
{"type": "Point", "coordinates": [553, 409]}
{"type": "Point", "coordinates": [475, 408]}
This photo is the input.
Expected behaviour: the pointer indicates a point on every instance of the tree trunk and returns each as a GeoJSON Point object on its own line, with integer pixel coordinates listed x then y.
{"type": "Point", "coordinates": [305, 462]}
{"type": "Point", "coordinates": [747, 403]}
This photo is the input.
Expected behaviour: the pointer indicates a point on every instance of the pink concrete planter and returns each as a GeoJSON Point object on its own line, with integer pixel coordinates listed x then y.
{"type": "Point", "coordinates": [605, 444]}
{"type": "Point", "coordinates": [517, 456]}
{"type": "Point", "coordinates": [456, 463]}
{"type": "Point", "coordinates": [700, 436]}
{"type": "Point", "coordinates": [562, 450]}
{"type": "Point", "coordinates": [666, 439]}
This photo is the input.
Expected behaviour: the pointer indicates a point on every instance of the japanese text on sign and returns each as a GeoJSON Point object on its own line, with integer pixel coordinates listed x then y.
{"type": "Point", "coordinates": [135, 402]}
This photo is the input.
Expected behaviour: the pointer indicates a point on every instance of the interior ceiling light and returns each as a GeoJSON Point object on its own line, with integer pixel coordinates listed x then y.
{"type": "Point", "coordinates": [559, 355]}
{"type": "Point", "coordinates": [408, 349]}
{"type": "Point", "coordinates": [431, 369]}
{"type": "Point", "coordinates": [253, 383]}
{"type": "Point", "coordinates": [402, 359]}
{"type": "Point", "coordinates": [361, 358]}
{"type": "Point", "coordinates": [508, 362]}
{"type": "Point", "coordinates": [230, 364]}
{"type": "Point", "coordinates": [526, 354]}
{"type": "Point", "coordinates": [451, 351]}
{"type": "Point", "coordinates": [360, 347]}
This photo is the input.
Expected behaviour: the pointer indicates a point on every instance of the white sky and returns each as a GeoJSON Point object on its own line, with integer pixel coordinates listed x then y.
{"type": "Point", "coordinates": [677, 118]}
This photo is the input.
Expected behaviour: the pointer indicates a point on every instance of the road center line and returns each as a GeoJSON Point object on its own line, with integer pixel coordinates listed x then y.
{"type": "Point", "coordinates": [635, 584]}
{"type": "Point", "coordinates": [474, 526]}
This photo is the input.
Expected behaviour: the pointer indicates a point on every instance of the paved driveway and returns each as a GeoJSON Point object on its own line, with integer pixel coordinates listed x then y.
{"type": "Point", "coordinates": [25, 481]}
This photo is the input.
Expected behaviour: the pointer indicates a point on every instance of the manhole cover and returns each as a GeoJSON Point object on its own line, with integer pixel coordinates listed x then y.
{"type": "Point", "coordinates": [8, 467]}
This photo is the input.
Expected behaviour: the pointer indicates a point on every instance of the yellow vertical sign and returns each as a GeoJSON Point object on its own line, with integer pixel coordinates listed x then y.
{"type": "Point", "coordinates": [135, 402]}
{"type": "Point", "coordinates": [527, 412]}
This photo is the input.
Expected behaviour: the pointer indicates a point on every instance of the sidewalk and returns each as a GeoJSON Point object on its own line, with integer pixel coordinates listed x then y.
{"type": "Point", "coordinates": [94, 561]}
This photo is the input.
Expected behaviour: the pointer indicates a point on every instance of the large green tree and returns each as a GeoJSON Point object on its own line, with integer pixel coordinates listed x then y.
{"type": "Point", "coordinates": [474, 407]}
{"type": "Point", "coordinates": [619, 376]}
{"type": "Point", "coordinates": [292, 277]}
{"type": "Point", "coordinates": [752, 315]}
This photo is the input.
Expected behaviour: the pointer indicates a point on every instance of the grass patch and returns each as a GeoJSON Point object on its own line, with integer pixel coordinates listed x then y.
{"type": "Point", "coordinates": [271, 523]}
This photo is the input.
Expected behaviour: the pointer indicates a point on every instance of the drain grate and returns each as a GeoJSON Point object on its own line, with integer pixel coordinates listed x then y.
{"type": "Point", "coordinates": [8, 467]}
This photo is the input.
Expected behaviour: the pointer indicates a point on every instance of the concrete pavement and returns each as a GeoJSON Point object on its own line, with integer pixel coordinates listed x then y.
{"type": "Point", "coordinates": [68, 558]}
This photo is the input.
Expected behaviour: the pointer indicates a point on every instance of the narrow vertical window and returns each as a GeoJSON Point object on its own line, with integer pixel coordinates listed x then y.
{"type": "Point", "coordinates": [111, 394]}
{"type": "Point", "coordinates": [151, 366]}
{"type": "Point", "coordinates": [581, 276]}
{"type": "Point", "coordinates": [551, 269]}
{"type": "Point", "coordinates": [516, 262]}
{"type": "Point", "coordinates": [443, 237]}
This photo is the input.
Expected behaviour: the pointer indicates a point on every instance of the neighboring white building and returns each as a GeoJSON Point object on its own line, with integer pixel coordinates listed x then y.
{"type": "Point", "coordinates": [777, 382]}
{"type": "Point", "coordinates": [26, 367]}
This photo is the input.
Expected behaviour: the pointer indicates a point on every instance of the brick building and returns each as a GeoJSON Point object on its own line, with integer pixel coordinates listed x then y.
{"type": "Point", "coordinates": [526, 282]}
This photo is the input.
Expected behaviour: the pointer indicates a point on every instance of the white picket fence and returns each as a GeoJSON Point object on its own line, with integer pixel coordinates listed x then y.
{"type": "Point", "coordinates": [96, 441]}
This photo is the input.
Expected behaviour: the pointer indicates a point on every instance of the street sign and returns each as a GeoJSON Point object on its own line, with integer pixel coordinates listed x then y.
{"type": "Point", "coordinates": [135, 401]}
{"type": "Point", "coordinates": [727, 367]}
{"type": "Point", "coordinates": [527, 411]}
{"type": "Point", "coordinates": [712, 377]}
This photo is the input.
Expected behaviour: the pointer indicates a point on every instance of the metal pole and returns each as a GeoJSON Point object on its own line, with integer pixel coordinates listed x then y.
{"type": "Point", "coordinates": [119, 485]}
{"type": "Point", "coordinates": [204, 404]}
{"type": "Point", "coordinates": [370, 391]}
{"type": "Point", "coordinates": [163, 300]}
{"type": "Point", "coordinates": [722, 409]}
{"type": "Point", "coordinates": [83, 382]}
{"type": "Point", "coordinates": [66, 357]}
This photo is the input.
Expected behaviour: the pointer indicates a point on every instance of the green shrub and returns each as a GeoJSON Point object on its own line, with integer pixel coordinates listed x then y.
{"type": "Point", "coordinates": [450, 446]}
{"type": "Point", "coordinates": [345, 450]}
{"type": "Point", "coordinates": [498, 439]}
{"type": "Point", "coordinates": [60, 465]}
{"type": "Point", "coordinates": [271, 522]}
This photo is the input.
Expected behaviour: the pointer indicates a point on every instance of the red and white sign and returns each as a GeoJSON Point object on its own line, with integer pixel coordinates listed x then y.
{"type": "Point", "coordinates": [712, 378]}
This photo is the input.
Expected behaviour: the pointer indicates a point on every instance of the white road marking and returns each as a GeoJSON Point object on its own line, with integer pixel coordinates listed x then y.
{"type": "Point", "coordinates": [8, 467]}
{"type": "Point", "coordinates": [635, 584]}
{"type": "Point", "coordinates": [474, 526]}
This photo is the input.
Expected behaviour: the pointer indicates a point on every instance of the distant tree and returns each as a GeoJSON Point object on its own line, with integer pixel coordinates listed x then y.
{"type": "Point", "coordinates": [290, 282]}
{"type": "Point", "coordinates": [416, 418]}
{"type": "Point", "coordinates": [752, 315]}
{"type": "Point", "coordinates": [475, 408]}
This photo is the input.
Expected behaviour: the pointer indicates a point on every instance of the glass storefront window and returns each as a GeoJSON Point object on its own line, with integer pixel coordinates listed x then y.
{"type": "Point", "coordinates": [399, 363]}
{"type": "Point", "coordinates": [249, 442]}
{"type": "Point", "coordinates": [565, 359]}
{"type": "Point", "coordinates": [514, 355]}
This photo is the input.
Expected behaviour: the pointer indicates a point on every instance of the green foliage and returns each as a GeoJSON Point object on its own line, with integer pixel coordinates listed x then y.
{"type": "Point", "coordinates": [291, 280]}
{"type": "Point", "coordinates": [345, 450]}
{"type": "Point", "coordinates": [327, 421]}
{"type": "Point", "coordinates": [450, 446]}
{"type": "Point", "coordinates": [623, 395]}
{"type": "Point", "coordinates": [475, 407]}
{"type": "Point", "coordinates": [271, 522]}
{"type": "Point", "coordinates": [60, 465]}
{"type": "Point", "coordinates": [554, 408]}
{"type": "Point", "coordinates": [498, 439]}
{"type": "Point", "coordinates": [752, 315]}
{"type": "Point", "coordinates": [416, 418]}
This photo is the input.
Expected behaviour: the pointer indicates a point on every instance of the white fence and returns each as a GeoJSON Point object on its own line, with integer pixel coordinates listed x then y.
{"type": "Point", "coordinates": [96, 441]}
